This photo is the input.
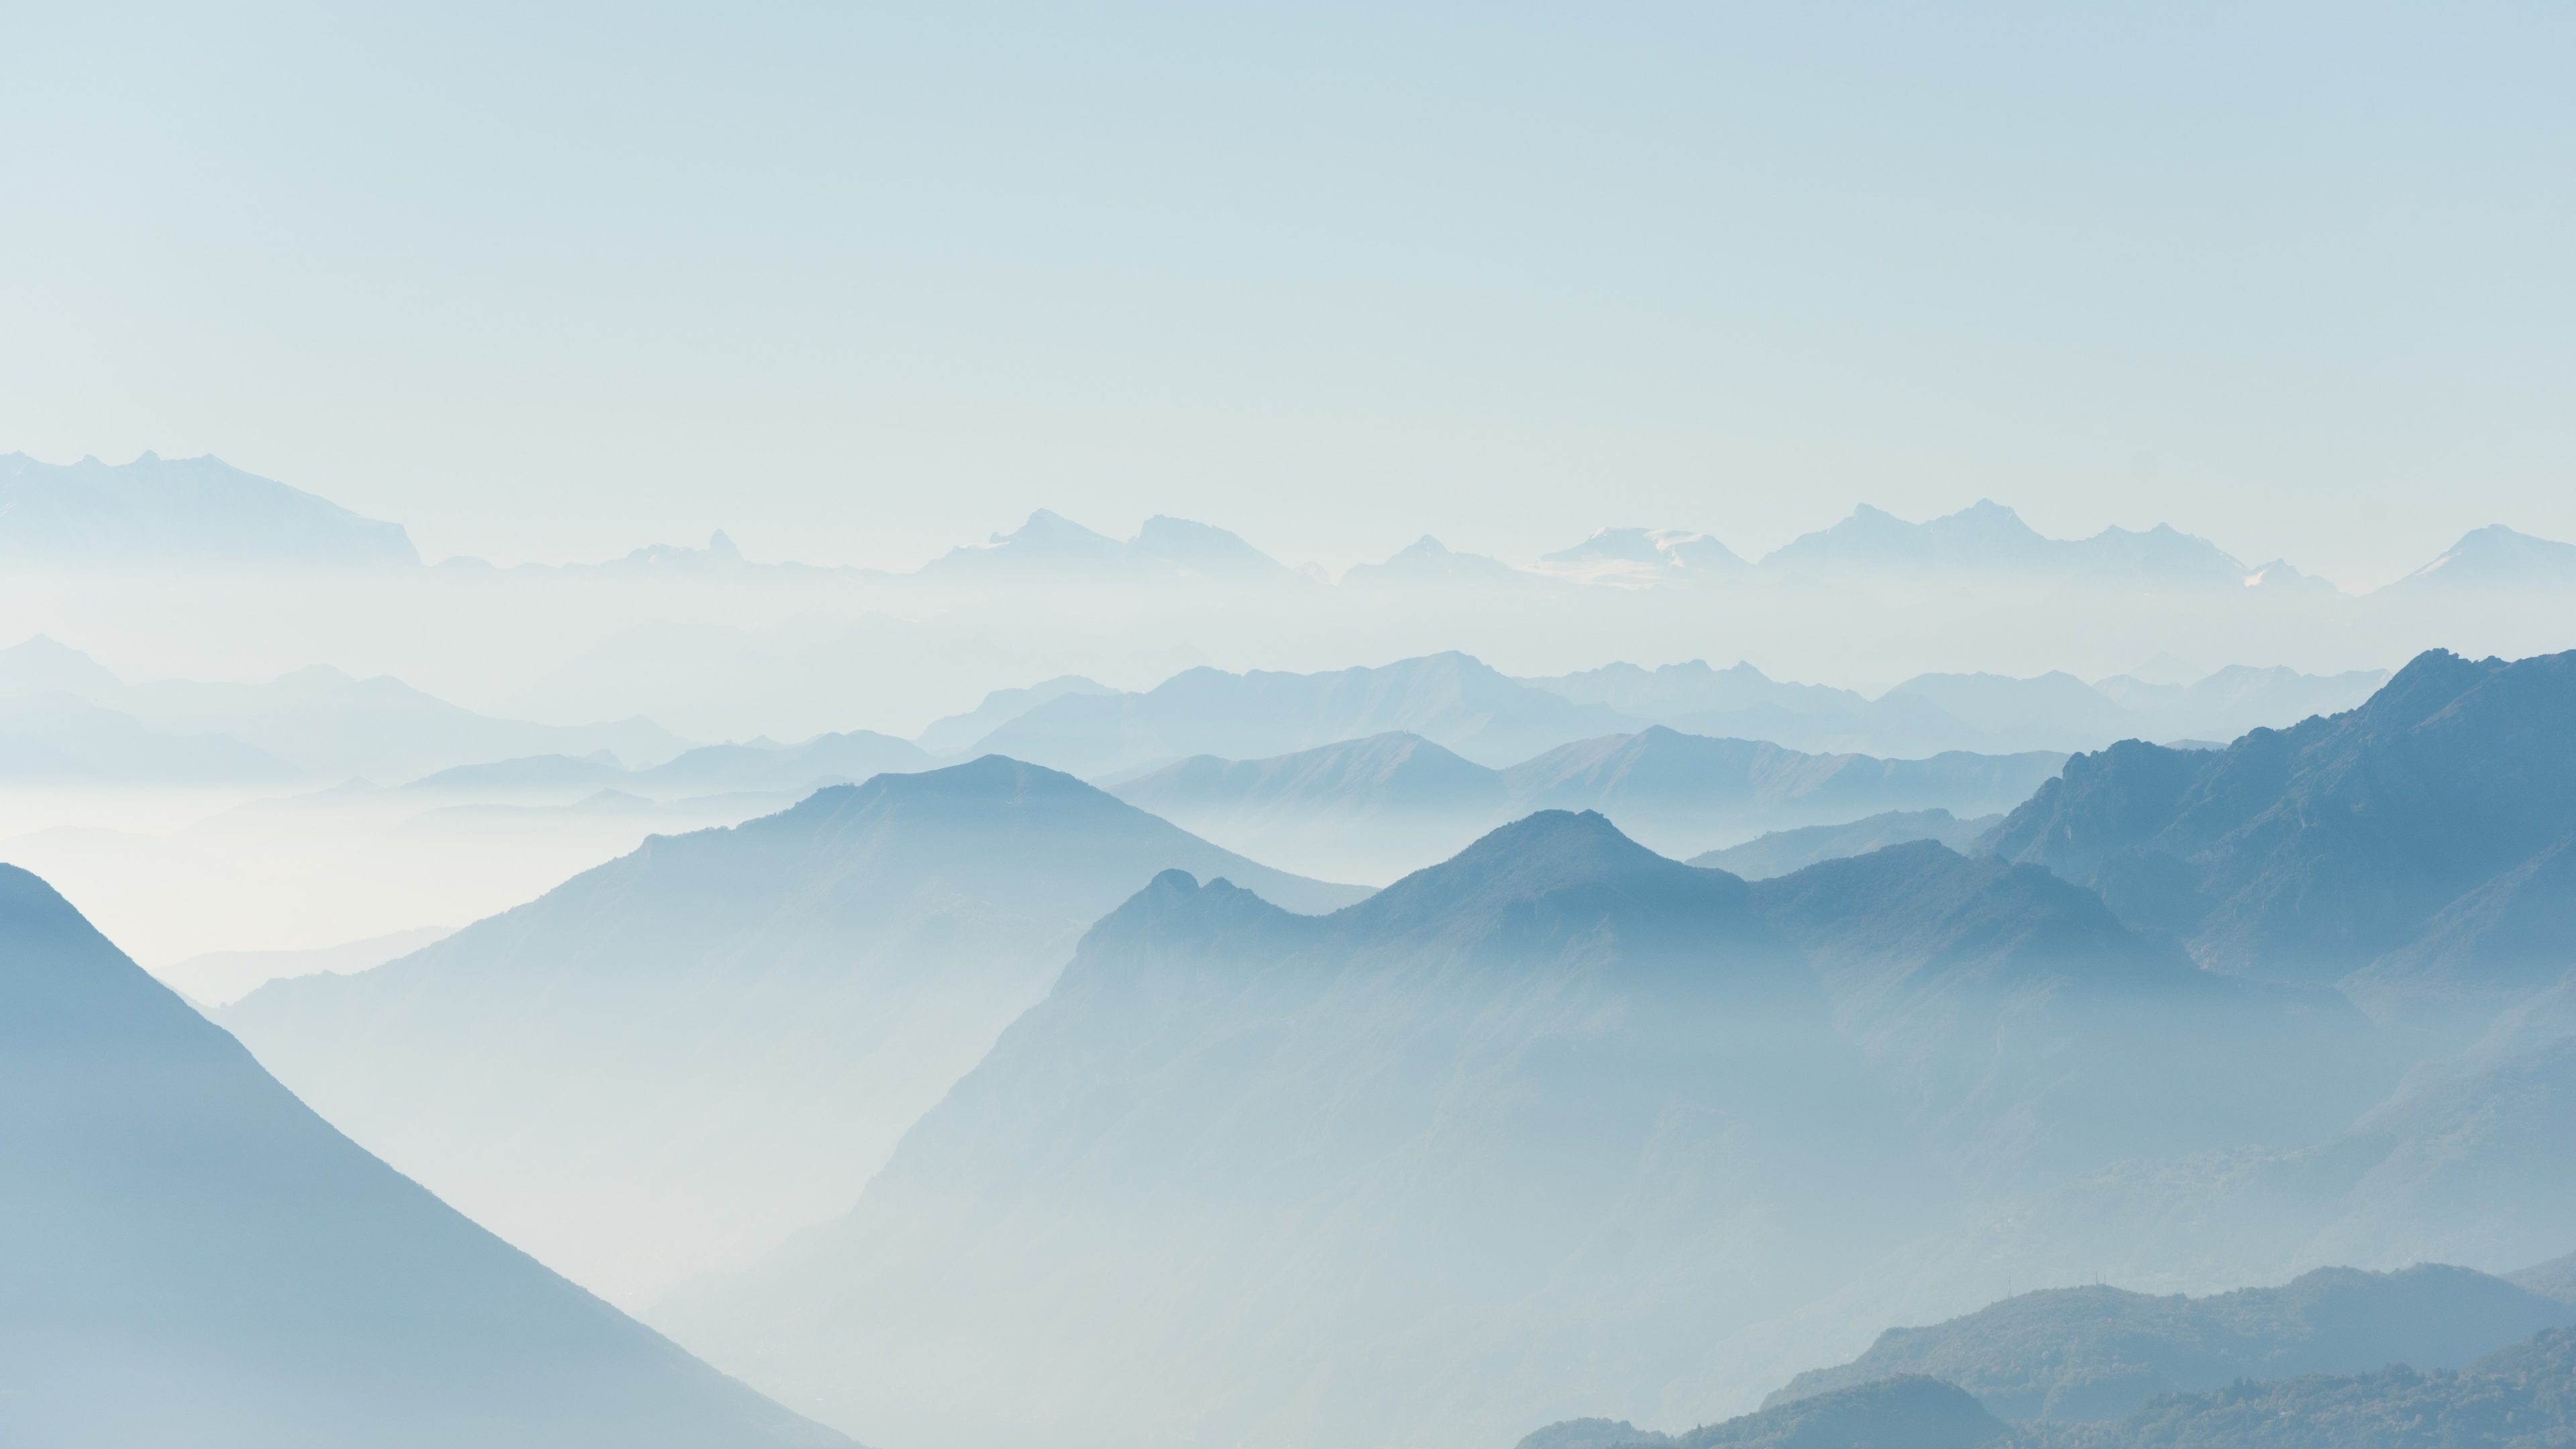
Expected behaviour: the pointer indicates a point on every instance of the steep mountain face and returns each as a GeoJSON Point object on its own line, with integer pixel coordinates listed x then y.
{"type": "Point", "coordinates": [2310, 853]}
{"type": "Point", "coordinates": [1688, 793]}
{"type": "Point", "coordinates": [193, 1257]}
{"type": "Point", "coordinates": [1521, 1130]}
{"type": "Point", "coordinates": [2015, 1017]}
{"type": "Point", "coordinates": [670, 1062]}
{"type": "Point", "coordinates": [2102, 1353]}
{"type": "Point", "coordinates": [183, 512]}
{"type": "Point", "coordinates": [1778, 852]}
{"type": "Point", "coordinates": [1367, 809]}
{"type": "Point", "coordinates": [1450, 699]}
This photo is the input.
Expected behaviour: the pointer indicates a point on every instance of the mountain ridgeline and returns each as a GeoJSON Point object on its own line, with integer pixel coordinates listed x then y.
{"type": "Point", "coordinates": [192, 1257]}
{"type": "Point", "coordinates": [2420, 848]}
{"type": "Point", "coordinates": [1379, 806]}
{"type": "Point", "coordinates": [673, 1060]}
{"type": "Point", "coordinates": [1541, 1122]}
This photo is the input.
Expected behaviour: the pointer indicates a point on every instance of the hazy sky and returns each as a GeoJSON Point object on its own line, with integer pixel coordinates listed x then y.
{"type": "Point", "coordinates": [858, 282]}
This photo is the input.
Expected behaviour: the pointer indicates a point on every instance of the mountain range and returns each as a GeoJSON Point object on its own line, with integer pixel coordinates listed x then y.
{"type": "Point", "coordinates": [1466, 706]}
{"type": "Point", "coordinates": [1778, 852]}
{"type": "Point", "coordinates": [673, 1060]}
{"type": "Point", "coordinates": [203, 512]}
{"type": "Point", "coordinates": [191, 513]}
{"type": "Point", "coordinates": [1377, 807]}
{"type": "Point", "coordinates": [2415, 845]}
{"type": "Point", "coordinates": [1531, 1127]}
{"type": "Point", "coordinates": [62, 709]}
{"type": "Point", "coordinates": [193, 1257]}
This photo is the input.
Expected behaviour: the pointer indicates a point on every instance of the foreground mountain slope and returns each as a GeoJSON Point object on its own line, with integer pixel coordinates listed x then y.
{"type": "Point", "coordinates": [671, 1061]}
{"type": "Point", "coordinates": [192, 1257]}
{"type": "Point", "coordinates": [2523, 1397]}
{"type": "Point", "coordinates": [2101, 1353]}
{"type": "Point", "coordinates": [1521, 1130]}
{"type": "Point", "coordinates": [2309, 853]}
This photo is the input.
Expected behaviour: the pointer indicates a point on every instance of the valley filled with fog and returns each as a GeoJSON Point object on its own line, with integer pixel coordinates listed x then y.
{"type": "Point", "coordinates": [1033, 726]}
{"type": "Point", "coordinates": [1118, 993]}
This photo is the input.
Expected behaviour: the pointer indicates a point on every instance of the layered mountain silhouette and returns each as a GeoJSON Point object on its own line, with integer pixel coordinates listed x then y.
{"type": "Point", "coordinates": [2016, 1017]}
{"type": "Point", "coordinates": [1052, 548]}
{"type": "Point", "coordinates": [1930, 713]}
{"type": "Point", "coordinates": [200, 513]}
{"type": "Point", "coordinates": [1365, 809]}
{"type": "Point", "coordinates": [1778, 852]}
{"type": "Point", "coordinates": [58, 705]}
{"type": "Point", "coordinates": [193, 1257]}
{"type": "Point", "coordinates": [1526, 1129]}
{"type": "Point", "coordinates": [670, 1062]}
{"type": "Point", "coordinates": [2102, 1353]}
{"type": "Point", "coordinates": [2418, 838]}
{"type": "Point", "coordinates": [1687, 793]}
{"type": "Point", "coordinates": [1375, 807]}
{"type": "Point", "coordinates": [1451, 699]}
{"type": "Point", "coordinates": [1990, 540]}
{"type": "Point", "coordinates": [752, 767]}
{"type": "Point", "coordinates": [1300, 1180]}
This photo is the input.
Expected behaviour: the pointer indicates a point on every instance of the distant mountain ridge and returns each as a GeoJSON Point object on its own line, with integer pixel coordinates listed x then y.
{"type": "Point", "coordinates": [202, 512]}
{"type": "Point", "coordinates": [1780, 852]}
{"type": "Point", "coordinates": [1393, 802]}
{"type": "Point", "coordinates": [183, 512]}
{"type": "Point", "coordinates": [1051, 546]}
{"type": "Point", "coordinates": [316, 723]}
{"type": "Point", "coordinates": [1990, 538]}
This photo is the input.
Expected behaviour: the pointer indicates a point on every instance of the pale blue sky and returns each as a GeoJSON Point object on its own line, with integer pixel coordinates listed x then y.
{"type": "Point", "coordinates": [858, 282]}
